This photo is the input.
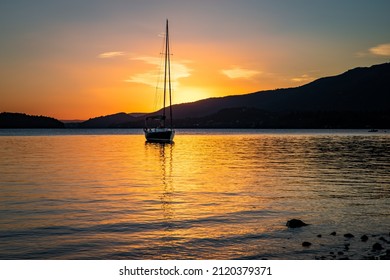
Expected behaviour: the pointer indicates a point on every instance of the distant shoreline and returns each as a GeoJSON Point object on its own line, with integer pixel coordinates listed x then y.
{"type": "Point", "coordinates": [309, 120]}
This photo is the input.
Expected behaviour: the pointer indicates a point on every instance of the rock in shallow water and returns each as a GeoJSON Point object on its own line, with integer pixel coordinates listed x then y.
{"type": "Point", "coordinates": [377, 247]}
{"type": "Point", "coordinates": [295, 223]}
{"type": "Point", "coordinates": [364, 238]}
{"type": "Point", "coordinates": [306, 244]}
{"type": "Point", "coordinates": [349, 235]}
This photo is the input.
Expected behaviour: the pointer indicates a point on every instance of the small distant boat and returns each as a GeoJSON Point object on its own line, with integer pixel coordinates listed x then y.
{"type": "Point", "coordinates": [157, 128]}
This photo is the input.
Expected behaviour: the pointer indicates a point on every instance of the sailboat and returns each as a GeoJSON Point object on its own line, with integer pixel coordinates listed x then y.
{"type": "Point", "coordinates": [157, 128]}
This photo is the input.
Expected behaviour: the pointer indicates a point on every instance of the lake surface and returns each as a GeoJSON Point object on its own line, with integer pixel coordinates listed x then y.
{"type": "Point", "coordinates": [213, 194]}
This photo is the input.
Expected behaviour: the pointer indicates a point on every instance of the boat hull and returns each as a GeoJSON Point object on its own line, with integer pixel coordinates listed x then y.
{"type": "Point", "coordinates": [159, 135]}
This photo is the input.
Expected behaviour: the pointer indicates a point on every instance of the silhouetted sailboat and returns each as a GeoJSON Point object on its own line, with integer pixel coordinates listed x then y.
{"type": "Point", "coordinates": [160, 131]}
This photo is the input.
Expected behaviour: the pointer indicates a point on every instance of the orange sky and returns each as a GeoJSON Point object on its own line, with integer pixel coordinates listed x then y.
{"type": "Point", "coordinates": [80, 60]}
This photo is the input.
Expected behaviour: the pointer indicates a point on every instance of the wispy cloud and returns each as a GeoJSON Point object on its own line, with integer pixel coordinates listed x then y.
{"type": "Point", "coordinates": [303, 79]}
{"type": "Point", "coordinates": [362, 54]}
{"type": "Point", "coordinates": [381, 50]}
{"type": "Point", "coordinates": [110, 54]}
{"type": "Point", "coordinates": [239, 73]}
{"type": "Point", "coordinates": [178, 70]}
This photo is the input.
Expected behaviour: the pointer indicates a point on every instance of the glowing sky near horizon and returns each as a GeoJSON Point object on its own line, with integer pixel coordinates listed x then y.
{"type": "Point", "coordinates": [81, 59]}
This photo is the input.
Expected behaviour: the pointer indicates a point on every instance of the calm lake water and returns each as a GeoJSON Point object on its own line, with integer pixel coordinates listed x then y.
{"type": "Point", "coordinates": [213, 194]}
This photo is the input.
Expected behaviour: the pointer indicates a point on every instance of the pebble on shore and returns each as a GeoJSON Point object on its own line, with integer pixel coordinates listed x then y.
{"type": "Point", "coordinates": [377, 247]}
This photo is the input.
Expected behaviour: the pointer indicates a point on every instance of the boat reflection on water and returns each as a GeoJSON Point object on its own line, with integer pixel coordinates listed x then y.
{"type": "Point", "coordinates": [164, 154]}
{"type": "Point", "coordinates": [164, 159]}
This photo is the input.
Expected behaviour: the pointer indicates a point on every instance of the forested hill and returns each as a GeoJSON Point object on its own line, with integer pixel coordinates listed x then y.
{"type": "Point", "coordinates": [364, 89]}
{"type": "Point", "coordinates": [19, 120]}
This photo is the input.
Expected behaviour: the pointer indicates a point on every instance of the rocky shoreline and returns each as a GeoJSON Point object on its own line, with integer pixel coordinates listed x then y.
{"type": "Point", "coordinates": [347, 245]}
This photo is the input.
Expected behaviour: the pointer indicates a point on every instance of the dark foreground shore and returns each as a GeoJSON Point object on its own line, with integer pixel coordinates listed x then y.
{"type": "Point", "coordinates": [365, 247]}
{"type": "Point", "coordinates": [345, 246]}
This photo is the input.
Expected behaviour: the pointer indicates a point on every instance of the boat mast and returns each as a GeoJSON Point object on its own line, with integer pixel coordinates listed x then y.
{"type": "Point", "coordinates": [169, 76]}
{"type": "Point", "coordinates": [165, 67]}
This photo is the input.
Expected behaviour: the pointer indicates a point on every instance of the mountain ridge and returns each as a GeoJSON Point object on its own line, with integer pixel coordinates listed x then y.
{"type": "Point", "coordinates": [299, 98]}
{"type": "Point", "coordinates": [357, 98]}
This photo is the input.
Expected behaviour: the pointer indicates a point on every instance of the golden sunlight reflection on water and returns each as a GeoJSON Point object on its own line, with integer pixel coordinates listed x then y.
{"type": "Point", "coordinates": [205, 196]}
